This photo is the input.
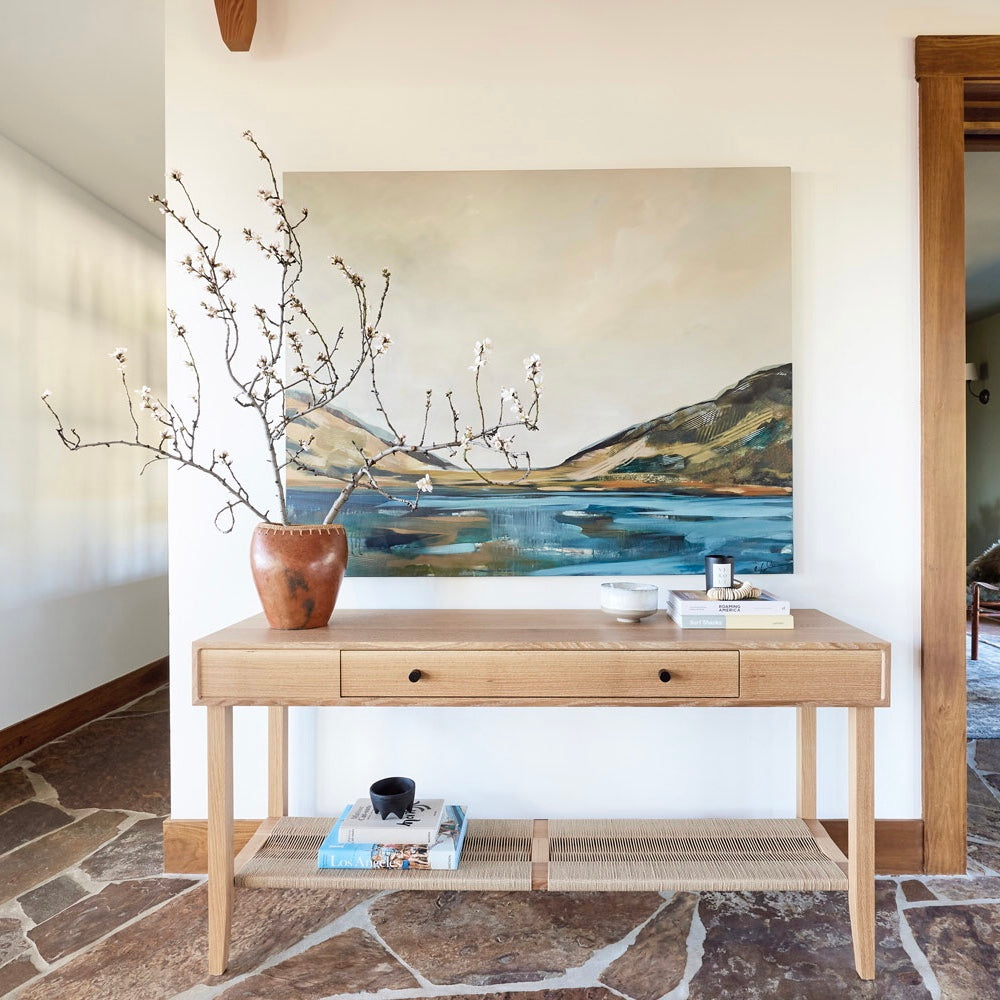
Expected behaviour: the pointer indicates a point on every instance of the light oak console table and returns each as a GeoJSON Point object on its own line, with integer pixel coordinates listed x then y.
{"type": "Point", "coordinates": [551, 658]}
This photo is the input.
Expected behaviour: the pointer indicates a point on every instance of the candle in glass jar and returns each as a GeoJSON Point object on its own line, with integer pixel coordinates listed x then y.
{"type": "Point", "coordinates": [718, 571]}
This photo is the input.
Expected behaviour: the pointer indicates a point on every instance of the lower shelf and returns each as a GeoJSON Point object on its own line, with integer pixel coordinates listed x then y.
{"type": "Point", "coordinates": [573, 855]}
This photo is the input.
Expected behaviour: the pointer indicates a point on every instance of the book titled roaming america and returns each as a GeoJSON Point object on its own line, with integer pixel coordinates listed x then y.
{"type": "Point", "coordinates": [443, 855]}
{"type": "Point", "coordinates": [363, 825]}
{"type": "Point", "coordinates": [697, 602]}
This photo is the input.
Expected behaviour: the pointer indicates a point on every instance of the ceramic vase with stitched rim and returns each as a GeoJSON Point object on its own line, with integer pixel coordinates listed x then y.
{"type": "Point", "coordinates": [297, 569]}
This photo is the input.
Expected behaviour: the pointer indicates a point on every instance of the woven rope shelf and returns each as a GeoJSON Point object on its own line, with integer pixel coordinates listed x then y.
{"type": "Point", "coordinates": [496, 855]}
{"type": "Point", "coordinates": [723, 854]}
{"type": "Point", "coordinates": [582, 855]}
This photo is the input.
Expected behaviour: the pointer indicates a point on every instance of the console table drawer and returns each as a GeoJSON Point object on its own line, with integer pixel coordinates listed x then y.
{"type": "Point", "coordinates": [827, 677]}
{"type": "Point", "coordinates": [512, 674]}
{"type": "Point", "coordinates": [267, 676]}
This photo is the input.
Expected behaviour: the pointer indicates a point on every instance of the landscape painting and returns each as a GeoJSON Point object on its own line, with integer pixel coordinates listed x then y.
{"type": "Point", "coordinates": [659, 303]}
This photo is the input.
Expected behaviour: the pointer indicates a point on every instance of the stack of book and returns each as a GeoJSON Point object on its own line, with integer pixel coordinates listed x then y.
{"type": "Point", "coordinates": [429, 836]}
{"type": "Point", "coordinates": [694, 609]}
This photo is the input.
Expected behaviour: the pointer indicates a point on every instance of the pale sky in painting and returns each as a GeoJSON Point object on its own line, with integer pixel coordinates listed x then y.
{"type": "Point", "coordinates": [642, 290]}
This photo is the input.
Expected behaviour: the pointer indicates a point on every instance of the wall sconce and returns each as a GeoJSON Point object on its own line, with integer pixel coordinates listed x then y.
{"type": "Point", "coordinates": [972, 374]}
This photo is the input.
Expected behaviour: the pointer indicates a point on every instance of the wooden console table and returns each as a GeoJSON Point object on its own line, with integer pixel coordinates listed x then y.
{"type": "Point", "coordinates": [549, 658]}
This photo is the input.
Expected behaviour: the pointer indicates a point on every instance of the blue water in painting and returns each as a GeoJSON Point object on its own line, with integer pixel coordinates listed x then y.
{"type": "Point", "coordinates": [557, 534]}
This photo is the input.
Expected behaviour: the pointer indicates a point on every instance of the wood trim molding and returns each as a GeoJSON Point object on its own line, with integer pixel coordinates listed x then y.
{"type": "Point", "coordinates": [237, 21]}
{"type": "Point", "coordinates": [982, 143]}
{"type": "Point", "coordinates": [898, 843]}
{"type": "Point", "coordinates": [22, 737]}
{"type": "Point", "coordinates": [957, 55]}
{"type": "Point", "coordinates": [943, 65]}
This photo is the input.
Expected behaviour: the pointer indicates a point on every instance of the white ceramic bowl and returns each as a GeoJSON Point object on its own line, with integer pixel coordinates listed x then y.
{"type": "Point", "coordinates": [629, 602]}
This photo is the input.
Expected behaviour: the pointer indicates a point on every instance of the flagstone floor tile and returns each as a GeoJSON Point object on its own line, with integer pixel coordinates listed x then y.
{"type": "Point", "coordinates": [158, 701]}
{"type": "Point", "coordinates": [984, 810]}
{"type": "Point", "coordinates": [51, 898]}
{"type": "Point", "coordinates": [491, 938]}
{"type": "Point", "coordinates": [166, 952]}
{"type": "Point", "coordinates": [352, 962]}
{"type": "Point", "coordinates": [655, 963]}
{"type": "Point", "coordinates": [27, 821]}
{"type": "Point", "coordinates": [136, 853]}
{"type": "Point", "coordinates": [797, 946]}
{"type": "Point", "coordinates": [915, 891]}
{"type": "Point", "coordinates": [15, 787]}
{"type": "Point", "coordinates": [38, 861]}
{"type": "Point", "coordinates": [90, 919]}
{"type": "Point", "coordinates": [14, 974]}
{"type": "Point", "coordinates": [118, 762]}
{"type": "Point", "coordinates": [983, 887]}
{"type": "Point", "coordinates": [962, 944]}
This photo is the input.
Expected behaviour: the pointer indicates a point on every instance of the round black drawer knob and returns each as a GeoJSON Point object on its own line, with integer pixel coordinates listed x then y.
{"type": "Point", "coordinates": [664, 676]}
{"type": "Point", "coordinates": [415, 676]}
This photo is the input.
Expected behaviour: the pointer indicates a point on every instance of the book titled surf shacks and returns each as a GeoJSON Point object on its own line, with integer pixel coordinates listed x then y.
{"type": "Point", "coordinates": [362, 825]}
{"type": "Point", "coordinates": [443, 855]}
{"type": "Point", "coordinates": [734, 621]}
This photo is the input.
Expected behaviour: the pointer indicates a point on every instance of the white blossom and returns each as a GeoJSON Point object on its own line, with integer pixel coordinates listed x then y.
{"type": "Point", "coordinates": [481, 353]}
{"type": "Point", "coordinates": [533, 371]}
{"type": "Point", "coordinates": [46, 394]}
{"type": "Point", "coordinates": [425, 485]}
{"type": "Point", "coordinates": [120, 354]}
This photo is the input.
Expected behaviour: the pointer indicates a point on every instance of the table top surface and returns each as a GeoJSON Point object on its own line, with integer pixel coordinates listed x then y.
{"type": "Point", "coordinates": [532, 629]}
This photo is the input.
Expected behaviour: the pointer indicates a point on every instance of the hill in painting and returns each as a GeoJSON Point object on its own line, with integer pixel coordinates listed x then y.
{"type": "Point", "coordinates": [333, 454]}
{"type": "Point", "coordinates": [739, 443]}
{"type": "Point", "coordinates": [741, 438]}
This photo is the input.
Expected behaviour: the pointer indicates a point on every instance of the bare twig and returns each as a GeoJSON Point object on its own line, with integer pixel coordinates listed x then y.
{"type": "Point", "coordinates": [291, 337]}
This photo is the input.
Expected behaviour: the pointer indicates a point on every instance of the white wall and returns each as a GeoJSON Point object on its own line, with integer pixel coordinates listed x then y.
{"type": "Point", "coordinates": [825, 88]}
{"type": "Point", "coordinates": [982, 438]}
{"type": "Point", "coordinates": [82, 542]}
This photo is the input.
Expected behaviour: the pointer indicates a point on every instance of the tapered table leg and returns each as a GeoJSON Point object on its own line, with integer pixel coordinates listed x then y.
{"type": "Point", "coordinates": [220, 836]}
{"type": "Point", "coordinates": [805, 733]}
{"type": "Point", "coordinates": [861, 838]}
{"type": "Point", "coordinates": [277, 760]}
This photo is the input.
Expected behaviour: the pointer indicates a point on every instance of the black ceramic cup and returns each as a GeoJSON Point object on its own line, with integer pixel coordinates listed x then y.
{"type": "Point", "coordinates": [393, 796]}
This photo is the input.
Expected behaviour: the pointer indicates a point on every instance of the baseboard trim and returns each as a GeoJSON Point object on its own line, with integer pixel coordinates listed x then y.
{"type": "Point", "coordinates": [899, 844]}
{"type": "Point", "coordinates": [22, 737]}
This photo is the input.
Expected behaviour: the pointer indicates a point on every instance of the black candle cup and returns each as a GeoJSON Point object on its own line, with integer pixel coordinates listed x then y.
{"type": "Point", "coordinates": [393, 796]}
{"type": "Point", "coordinates": [718, 571]}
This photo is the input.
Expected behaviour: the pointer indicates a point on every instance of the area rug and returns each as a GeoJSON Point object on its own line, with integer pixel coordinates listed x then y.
{"type": "Point", "coordinates": [983, 682]}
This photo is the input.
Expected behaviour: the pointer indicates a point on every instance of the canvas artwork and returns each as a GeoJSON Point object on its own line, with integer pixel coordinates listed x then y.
{"type": "Point", "coordinates": [659, 302]}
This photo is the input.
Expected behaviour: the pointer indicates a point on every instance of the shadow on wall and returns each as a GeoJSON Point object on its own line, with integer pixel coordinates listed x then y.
{"type": "Point", "coordinates": [60, 647]}
{"type": "Point", "coordinates": [983, 528]}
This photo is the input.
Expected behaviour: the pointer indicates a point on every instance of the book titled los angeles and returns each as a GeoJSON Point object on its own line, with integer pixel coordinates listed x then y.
{"type": "Point", "coordinates": [443, 855]}
{"type": "Point", "coordinates": [419, 825]}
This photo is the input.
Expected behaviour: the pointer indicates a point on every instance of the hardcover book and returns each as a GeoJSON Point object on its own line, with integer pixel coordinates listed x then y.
{"type": "Point", "coordinates": [696, 602]}
{"type": "Point", "coordinates": [419, 825]}
{"type": "Point", "coordinates": [734, 621]}
{"type": "Point", "coordinates": [443, 855]}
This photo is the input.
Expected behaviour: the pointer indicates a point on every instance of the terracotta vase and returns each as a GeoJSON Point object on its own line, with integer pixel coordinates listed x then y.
{"type": "Point", "coordinates": [297, 569]}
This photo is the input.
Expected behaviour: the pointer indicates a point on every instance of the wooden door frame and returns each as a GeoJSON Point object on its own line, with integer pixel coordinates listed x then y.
{"type": "Point", "coordinates": [944, 65]}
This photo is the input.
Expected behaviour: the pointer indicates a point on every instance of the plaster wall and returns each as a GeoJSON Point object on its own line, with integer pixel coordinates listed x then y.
{"type": "Point", "coordinates": [982, 439]}
{"type": "Point", "coordinates": [82, 541]}
{"type": "Point", "coordinates": [825, 88]}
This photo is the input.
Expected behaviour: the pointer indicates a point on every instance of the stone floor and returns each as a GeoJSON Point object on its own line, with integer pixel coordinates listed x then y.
{"type": "Point", "coordinates": [87, 912]}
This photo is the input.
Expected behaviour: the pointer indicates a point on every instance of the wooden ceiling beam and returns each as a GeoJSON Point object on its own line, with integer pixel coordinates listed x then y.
{"type": "Point", "coordinates": [957, 55]}
{"type": "Point", "coordinates": [237, 20]}
{"type": "Point", "coordinates": [982, 143]}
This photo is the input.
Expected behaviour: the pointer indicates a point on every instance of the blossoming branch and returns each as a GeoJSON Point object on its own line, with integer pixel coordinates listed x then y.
{"type": "Point", "coordinates": [322, 367]}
